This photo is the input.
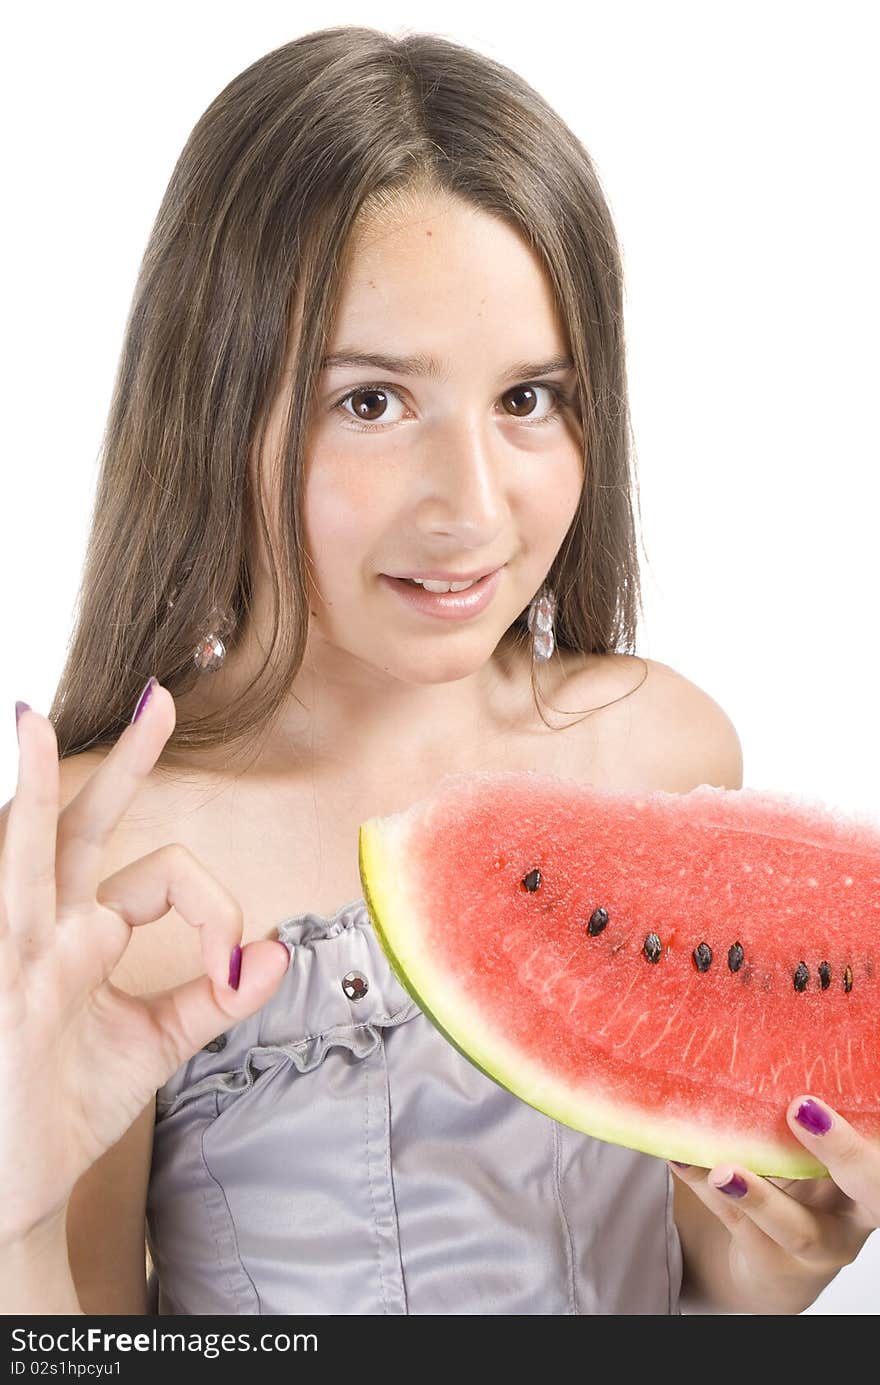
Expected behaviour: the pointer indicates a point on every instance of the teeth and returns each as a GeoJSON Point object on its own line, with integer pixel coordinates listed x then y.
{"type": "Point", "coordinates": [441, 586]}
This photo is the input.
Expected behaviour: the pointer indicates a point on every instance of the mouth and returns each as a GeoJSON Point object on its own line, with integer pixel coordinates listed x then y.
{"type": "Point", "coordinates": [448, 605]}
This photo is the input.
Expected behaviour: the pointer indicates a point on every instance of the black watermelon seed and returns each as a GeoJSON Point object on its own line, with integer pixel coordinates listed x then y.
{"type": "Point", "coordinates": [532, 880]}
{"type": "Point", "coordinates": [847, 979]}
{"type": "Point", "coordinates": [653, 947]}
{"type": "Point", "coordinates": [824, 975]}
{"type": "Point", "coordinates": [801, 977]}
{"type": "Point", "coordinates": [702, 957]}
{"type": "Point", "coordinates": [735, 957]}
{"type": "Point", "coordinates": [598, 920]}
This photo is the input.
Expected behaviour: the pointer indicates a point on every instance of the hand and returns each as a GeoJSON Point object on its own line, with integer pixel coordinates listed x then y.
{"type": "Point", "coordinates": [80, 1058]}
{"type": "Point", "coordinates": [790, 1237]}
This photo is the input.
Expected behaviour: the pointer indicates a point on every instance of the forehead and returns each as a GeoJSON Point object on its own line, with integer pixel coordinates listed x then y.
{"type": "Point", "coordinates": [439, 267]}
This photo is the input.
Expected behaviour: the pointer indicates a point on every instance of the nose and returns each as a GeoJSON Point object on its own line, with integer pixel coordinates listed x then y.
{"type": "Point", "coordinates": [461, 486]}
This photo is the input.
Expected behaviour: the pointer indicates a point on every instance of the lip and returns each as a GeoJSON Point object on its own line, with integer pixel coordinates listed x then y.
{"type": "Point", "coordinates": [447, 605]}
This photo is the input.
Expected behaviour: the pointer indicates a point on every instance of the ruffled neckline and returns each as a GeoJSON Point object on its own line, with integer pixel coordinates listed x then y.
{"type": "Point", "coordinates": [308, 1015]}
{"type": "Point", "coordinates": [298, 927]}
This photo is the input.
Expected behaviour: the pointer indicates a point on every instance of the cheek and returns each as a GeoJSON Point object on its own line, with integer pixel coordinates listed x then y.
{"type": "Point", "coordinates": [338, 501]}
{"type": "Point", "coordinates": [548, 496]}
{"type": "Point", "coordinates": [341, 513]}
{"type": "Point", "coordinates": [573, 505]}
{"type": "Point", "coordinates": [571, 489]}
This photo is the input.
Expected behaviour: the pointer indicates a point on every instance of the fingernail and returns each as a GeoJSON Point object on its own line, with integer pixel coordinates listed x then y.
{"type": "Point", "coordinates": [235, 967]}
{"type": "Point", "coordinates": [736, 1187]}
{"type": "Point", "coordinates": [813, 1118]}
{"type": "Point", "coordinates": [19, 708]}
{"type": "Point", "coordinates": [145, 696]}
{"type": "Point", "coordinates": [678, 1165]}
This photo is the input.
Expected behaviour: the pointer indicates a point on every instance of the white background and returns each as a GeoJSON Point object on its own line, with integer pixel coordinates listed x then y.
{"type": "Point", "coordinates": [737, 147]}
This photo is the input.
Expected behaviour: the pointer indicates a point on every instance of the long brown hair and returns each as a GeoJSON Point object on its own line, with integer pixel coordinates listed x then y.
{"type": "Point", "coordinates": [283, 166]}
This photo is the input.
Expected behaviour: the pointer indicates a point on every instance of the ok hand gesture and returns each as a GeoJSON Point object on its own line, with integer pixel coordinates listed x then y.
{"type": "Point", "coordinates": [80, 1058]}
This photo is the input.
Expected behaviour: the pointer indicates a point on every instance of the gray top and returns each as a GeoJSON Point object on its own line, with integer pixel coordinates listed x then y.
{"type": "Point", "coordinates": [335, 1154]}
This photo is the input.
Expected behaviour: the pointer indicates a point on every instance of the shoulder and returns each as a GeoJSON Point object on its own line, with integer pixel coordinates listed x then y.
{"type": "Point", "coordinates": [689, 732]}
{"type": "Point", "coordinates": [677, 732]}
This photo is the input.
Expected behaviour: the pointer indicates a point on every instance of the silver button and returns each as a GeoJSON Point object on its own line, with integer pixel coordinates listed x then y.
{"type": "Point", "coordinates": [216, 1045]}
{"type": "Point", "coordinates": [355, 985]}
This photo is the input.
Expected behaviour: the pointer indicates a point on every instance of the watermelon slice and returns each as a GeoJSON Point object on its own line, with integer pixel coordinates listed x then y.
{"type": "Point", "coordinates": [662, 971]}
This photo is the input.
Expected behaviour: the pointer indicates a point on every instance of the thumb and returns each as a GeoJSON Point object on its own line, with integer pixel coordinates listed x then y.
{"type": "Point", "coordinates": [189, 1015]}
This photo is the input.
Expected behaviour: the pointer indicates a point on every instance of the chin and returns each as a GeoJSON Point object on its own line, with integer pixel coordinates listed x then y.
{"type": "Point", "coordinates": [437, 667]}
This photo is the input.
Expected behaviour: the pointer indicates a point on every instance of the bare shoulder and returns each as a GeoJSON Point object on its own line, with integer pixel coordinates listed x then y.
{"type": "Point", "coordinates": [672, 733]}
{"type": "Point", "coordinates": [690, 733]}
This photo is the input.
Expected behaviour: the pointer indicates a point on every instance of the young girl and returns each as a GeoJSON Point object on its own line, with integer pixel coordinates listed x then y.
{"type": "Point", "coordinates": [377, 337]}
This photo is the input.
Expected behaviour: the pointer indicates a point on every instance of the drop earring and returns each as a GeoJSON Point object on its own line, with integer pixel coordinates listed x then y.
{"type": "Point", "coordinates": [210, 651]}
{"type": "Point", "coordinates": [542, 609]}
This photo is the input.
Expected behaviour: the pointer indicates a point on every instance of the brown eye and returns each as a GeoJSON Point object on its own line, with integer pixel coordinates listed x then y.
{"type": "Point", "coordinates": [364, 404]}
{"type": "Point", "coordinates": [369, 404]}
{"type": "Point", "coordinates": [525, 398]}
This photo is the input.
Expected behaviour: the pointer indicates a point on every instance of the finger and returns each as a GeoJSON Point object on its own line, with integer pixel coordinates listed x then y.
{"type": "Point", "coordinates": [172, 877]}
{"type": "Point", "coordinates": [852, 1161]}
{"type": "Point", "coordinates": [27, 865]}
{"type": "Point", "coordinates": [192, 1014]}
{"type": "Point", "coordinates": [744, 1201]}
{"type": "Point", "coordinates": [87, 822]}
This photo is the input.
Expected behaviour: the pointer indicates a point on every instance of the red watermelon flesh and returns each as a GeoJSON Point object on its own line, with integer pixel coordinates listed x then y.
{"type": "Point", "coordinates": [739, 966]}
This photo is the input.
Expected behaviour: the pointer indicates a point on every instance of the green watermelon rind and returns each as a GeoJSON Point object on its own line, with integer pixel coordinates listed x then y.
{"type": "Point", "coordinates": [392, 911]}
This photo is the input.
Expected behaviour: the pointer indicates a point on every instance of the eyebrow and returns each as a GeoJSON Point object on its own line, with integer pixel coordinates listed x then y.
{"type": "Point", "coordinates": [429, 366]}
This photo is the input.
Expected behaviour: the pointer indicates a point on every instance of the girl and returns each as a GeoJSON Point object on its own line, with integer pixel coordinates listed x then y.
{"type": "Point", "coordinates": [375, 348]}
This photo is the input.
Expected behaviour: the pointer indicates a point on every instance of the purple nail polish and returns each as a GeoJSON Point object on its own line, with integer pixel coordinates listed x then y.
{"type": "Point", "coordinates": [812, 1117]}
{"type": "Point", "coordinates": [235, 967]}
{"type": "Point", "coordinates": [19, 708]}
{"type": "Point", "coordinates": [145, 696]}
{"type": "Point", "coordinates": [737, 1187]}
